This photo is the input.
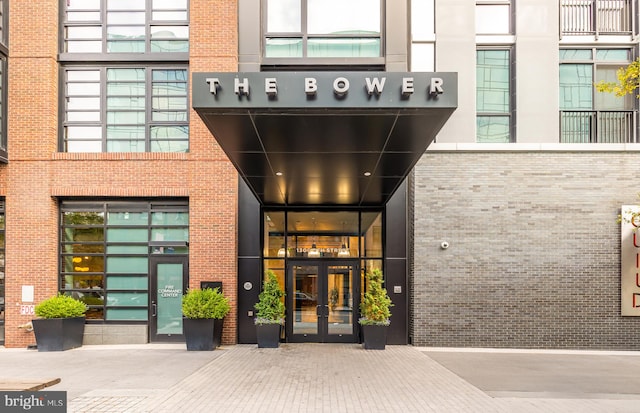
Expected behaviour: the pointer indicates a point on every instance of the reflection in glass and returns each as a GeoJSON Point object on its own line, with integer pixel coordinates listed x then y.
{"type": "Point", "coordinates": [284, 16]}
{"type": "Point", "coordinates": [340, 287]}
{"type": "Point", "coordinates": [493, 96]}
{"type": "Point", "coordinates": [345, 47]}
{"type": "Point", "coordinates": [338, 16]}
{"type": "Point", "coordinates": [169, 298]}
{"type": "Point", "coordinates": [372, 229]}
{"type": "Point", "coordinates": [305, 317]}
{"type": "Point", "coordinates": [493, 81]}
{"type": "Point", "coordinates": [493, 129]}
{"type": "Point", "coordinates": [283, 47]}
{"type": "Point", "coordinates": [493, 19]}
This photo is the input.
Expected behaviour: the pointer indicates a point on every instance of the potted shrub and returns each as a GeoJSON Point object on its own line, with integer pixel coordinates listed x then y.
{"type": "Point", "coordinates": [60, 323]}
{"type": "Point", "coordinates": [269, 312]}
{"type": "Point", "coordinates": [375, 313]}
{"type": "Point", "coordinates": [203, 312]}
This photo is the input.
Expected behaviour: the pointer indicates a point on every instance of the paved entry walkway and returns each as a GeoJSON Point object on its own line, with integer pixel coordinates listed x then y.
{"type": "Point", "coordinates": [333, 378]}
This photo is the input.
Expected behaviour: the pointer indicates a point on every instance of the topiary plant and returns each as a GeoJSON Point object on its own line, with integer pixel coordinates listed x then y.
{"type": "Point", "coordinates": [374, 309]}
{"type": "Point", "coordinates": [207, 303]}
{"type": "Point", "coordinates": [270, 307]}
{"type": "Point", "coordinates": [60, 306]}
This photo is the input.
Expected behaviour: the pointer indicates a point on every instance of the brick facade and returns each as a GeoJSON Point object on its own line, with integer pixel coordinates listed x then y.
{"type": "Point", "coordinates": [534, 256]}
{"type": "Point", "coordinates": [37, 174]}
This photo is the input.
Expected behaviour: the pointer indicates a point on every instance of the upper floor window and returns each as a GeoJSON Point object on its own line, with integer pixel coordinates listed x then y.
{"type": "Point", "coordinates": [493, 96]}
{"type": "Point", "coordinates": [593, 17]}
{"type": "Point", "coordinates": [494, 17]}
{"type": "Point", "coordinates": [423, 36]}
{"type": "Point", "coordinates": [126, 26]}
{"type": "Point", "coordinates": [322, 29]}
{"type": "Point", "coordinates": [4, 54]}
{"type": "Point", "coordinates": [586, 115]}
{"type": "Point", "coordinates": [126, 109]}
{"type": "Point", "coordinates": [4, 20]}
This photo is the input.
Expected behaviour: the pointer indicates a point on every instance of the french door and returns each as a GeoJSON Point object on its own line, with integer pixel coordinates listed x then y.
{"type": "Point", "coordinates": [322, 301]}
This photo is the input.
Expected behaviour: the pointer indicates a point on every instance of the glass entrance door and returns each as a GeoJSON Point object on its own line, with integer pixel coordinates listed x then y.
{"type": "Point", "coordinates": [168, 283]}
{"type": "Point", "coordinates": [321, 301]}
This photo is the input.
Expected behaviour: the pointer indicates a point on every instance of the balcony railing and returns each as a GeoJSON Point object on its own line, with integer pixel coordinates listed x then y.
{"type": "Point", "coordinates": [598, 126]}
{"type": "Point", "coordinates": [595, 17]}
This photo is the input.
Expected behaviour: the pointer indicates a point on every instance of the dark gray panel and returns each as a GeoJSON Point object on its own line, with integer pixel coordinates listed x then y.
{"type": "Point", "coordinates": [248, 222]}
{"type": "Point", "coordinates": [248, 272]}
{"type": "Point", "coordinates": [396, 224]}
{"type": "Point", "coordinates": [396, 285]}
{"type": "Point", "coordinates": [291, 92]}
{"type": "Point", "coordinates": [333, 132]}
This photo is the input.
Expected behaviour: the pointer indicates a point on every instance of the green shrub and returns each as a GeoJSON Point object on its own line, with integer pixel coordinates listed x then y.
{"type": "Point", "coordinates": [270, 307]}
{"type": "Point", "coordinates": [60, 306]}
{"type": "Point", "coordinates": [374, 309]}
{"type": "Point", "coordinates": [207, 303]}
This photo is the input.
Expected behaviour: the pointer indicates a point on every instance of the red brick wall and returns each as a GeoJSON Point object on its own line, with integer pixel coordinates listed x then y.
{"type": "Point", "coordinates": [37, 174]}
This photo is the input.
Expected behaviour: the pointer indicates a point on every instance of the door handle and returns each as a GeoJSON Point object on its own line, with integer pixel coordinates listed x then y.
{"type": "Point", "coordinates": [154, 309]}
{"type": "Point", "coordinates": [326, 312]}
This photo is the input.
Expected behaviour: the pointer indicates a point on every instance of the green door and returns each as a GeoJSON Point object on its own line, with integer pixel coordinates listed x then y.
{"type": "Point", "coordinates": [169, 280]}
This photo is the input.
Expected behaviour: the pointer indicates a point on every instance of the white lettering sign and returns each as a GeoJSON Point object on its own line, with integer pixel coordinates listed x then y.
{"type": "Point", "coordinates": [375, 85]}
{"type": "Point", "coordinates": [310, 85]}
{"type": "Point", "coordinates": [436, 86]}
{"type": "Point", "coordinates": [407, 86]}
{"type": "Point", "coordinates": [241, 88]}
{"type": "Point", "coordinates": [271, 86]}
{"type": "Point", "coordinates": [169, 291]}
{"type": "Point", "coordinates": [213, 82]}
{"type": "Point", "coordinates": [341, 86]}
{"type": "Point", "coordinates": [27, 309]}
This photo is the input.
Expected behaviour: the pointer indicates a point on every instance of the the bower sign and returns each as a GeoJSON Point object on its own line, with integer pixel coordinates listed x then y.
{"type": "Point", "coordinates": [325, 90]}
{"type": "Point", "coordinates": [630, 259]}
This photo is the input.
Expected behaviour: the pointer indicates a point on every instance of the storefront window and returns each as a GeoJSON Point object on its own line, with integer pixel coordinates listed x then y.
{"type": "Point", "coordinates": [2, 279]}
{"type": "Point", "coordinates": [318, 234]}
{"type": "Point", "coordinates": [106, 249]}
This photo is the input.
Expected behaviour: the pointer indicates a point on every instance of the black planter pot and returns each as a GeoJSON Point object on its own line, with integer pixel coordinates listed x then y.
{"type": "Point", "coordinates": [202, 334]}
{"type": "Point", "coordinates": [268, 335]}
{"type": "Point", "coordinates": [217, 332]}
{"type": "Point", "coordinates": [374, 337]}
{"type": "Point", "coordinates": [58, 334]}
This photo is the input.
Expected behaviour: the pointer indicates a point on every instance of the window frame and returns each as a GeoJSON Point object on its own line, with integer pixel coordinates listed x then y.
{"type": "Point", "coordinates": [179, 205]}
{"type": "Point", "coordinates": [4, 78]}
{"type": "Point", "coordinates": [103, 110]}
{"type": "Point", "coordinates": [354, 63]}
{"type": "Point", "coordinates": [511, 114]}
{"type": "Point", "coordinates": [592, 125]}
{"type": "Point", "coordinates": [595, 63]}
{"type": "Point", "coordinates": [104, 55]}
{"type": "Point", "coordinates": [3, 290]}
